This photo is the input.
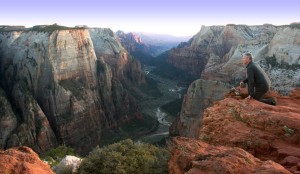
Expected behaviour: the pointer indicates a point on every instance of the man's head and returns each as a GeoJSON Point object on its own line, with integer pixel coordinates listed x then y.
{"type": "Point", "coordinates": [247, 58]}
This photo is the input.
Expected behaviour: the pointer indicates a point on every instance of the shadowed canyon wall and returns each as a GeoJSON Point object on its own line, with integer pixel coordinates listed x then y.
{"type": "Point", "coordinates": [64, 86]}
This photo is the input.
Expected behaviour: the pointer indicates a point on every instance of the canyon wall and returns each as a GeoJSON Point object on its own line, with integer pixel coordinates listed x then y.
{"type": "Point", "coordinates": [64, 86]}
{"type": "Point", "coordinates": [215, 53]}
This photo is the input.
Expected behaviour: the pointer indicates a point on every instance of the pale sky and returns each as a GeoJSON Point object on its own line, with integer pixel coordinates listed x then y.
{"type": "Point", "coordinates": [174, 17]}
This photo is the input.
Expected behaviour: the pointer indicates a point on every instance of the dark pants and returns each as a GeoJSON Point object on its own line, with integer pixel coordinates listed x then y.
{"type": "Point", "coordinates": [259, 92]}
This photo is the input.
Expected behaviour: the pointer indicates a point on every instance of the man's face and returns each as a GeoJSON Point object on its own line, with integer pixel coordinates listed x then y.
{"type": "Point", "coordinates": [245, 60]}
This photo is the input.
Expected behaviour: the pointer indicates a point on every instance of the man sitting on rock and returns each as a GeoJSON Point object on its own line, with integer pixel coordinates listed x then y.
{"type": "Point", "coordinates": [257, 80]}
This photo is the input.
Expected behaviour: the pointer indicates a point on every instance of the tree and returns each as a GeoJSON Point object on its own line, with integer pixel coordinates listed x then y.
{"type": "Point", "coordinates": [126, 157]}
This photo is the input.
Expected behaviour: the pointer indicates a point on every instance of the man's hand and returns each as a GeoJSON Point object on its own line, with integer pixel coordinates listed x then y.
{"type": "Point", "coordinates": [249, 97]}
{"type": "Point", "coordinates": [242, 84]}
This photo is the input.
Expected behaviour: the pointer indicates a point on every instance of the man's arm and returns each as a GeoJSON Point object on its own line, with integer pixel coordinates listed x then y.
{"type": "Point", "coordinates": [250, 81]}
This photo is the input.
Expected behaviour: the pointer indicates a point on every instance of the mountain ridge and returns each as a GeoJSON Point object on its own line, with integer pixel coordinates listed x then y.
{"type": "Point", "coordinates": [62, 88]}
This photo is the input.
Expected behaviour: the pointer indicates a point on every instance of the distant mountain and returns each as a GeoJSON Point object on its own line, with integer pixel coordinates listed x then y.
{"type": "Point", "coordinates": [163, 40]}
{"type": "Point", "coordinates": [214, 53]}
{"type": "Point", "coordinates": [146, 47]}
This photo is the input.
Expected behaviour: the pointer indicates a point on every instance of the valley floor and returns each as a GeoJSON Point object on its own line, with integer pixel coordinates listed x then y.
{"type": "Point", "coordinates": [151, 105]}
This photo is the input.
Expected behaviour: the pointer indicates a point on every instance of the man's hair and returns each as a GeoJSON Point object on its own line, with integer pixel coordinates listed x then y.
{"type": "Point", "coordinates": [248, 55]}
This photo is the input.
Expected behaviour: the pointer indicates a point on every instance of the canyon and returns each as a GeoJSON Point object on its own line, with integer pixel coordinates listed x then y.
{"type": "Point", "coordinates": [64, 86]}
{"type": "Point", "coordinates": [70, 85]}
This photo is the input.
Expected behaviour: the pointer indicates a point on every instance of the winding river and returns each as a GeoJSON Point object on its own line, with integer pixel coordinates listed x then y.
{"type": "Point", "coordinates": [152, 105]}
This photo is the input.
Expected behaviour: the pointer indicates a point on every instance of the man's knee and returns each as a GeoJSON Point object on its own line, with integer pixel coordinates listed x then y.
{"type": "Point", "coordinates": [260, 93]}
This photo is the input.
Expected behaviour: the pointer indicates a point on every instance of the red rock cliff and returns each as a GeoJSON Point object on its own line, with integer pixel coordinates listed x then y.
{"type": "Point", "coordinates": [22, 160]}
{"type": "Point", "coordinates": [191, 156]}
{"type": "Point", "coordinates": [265, 131]}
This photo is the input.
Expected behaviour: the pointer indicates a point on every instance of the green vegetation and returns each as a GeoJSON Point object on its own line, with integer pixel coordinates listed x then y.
{"type": "Point", "coordinates": [126, 157]}
{"type": "Point", "coordinates": [143, 56]}
{"type": "Point", "coordinates": [55, 155]}
{"type": "Point", "coordinates": [295, 25]}
{"type": "Point", "coordinates": [272, 61]}
{"type": "Point", "coordinates": [169, 71]}
{"type": "Point", "coordinates": [150, 87]}
{"type": "Point", "coordinates": [66, 170]}
{"type": "Point", "coordinates": [173, 107]}
{"type": "Point", "coordinates": [166, 70]}
{"type": "Point", "coordinates": [51, 28]}
{"type": "Point", "coordinates": [206, 138]}
{"type": "Point", "coordinates": [131, 129]}
{"type": "Point", "coordinates": [288, 130]}
{"type": "Point", "coordinates": [139, 125]}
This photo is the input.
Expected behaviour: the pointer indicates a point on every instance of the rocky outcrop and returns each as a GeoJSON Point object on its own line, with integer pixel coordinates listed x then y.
{"type": "Point", "coordinates": [268, 132]}
{"type": "Point", "coordinates": [8, 120]}
{"type": "Point", "coordinates": [215, 53]}
{"type": "Point", "coordinates": [57, 71]}
{"type": "Point", "coordinates": [117, 72]}
{"type": "Point", "coordinates": [10, 28]}
{"type": "Point", "coordinates": [68, 163]}
{"type": "Point", "coordinates": [32, 129]}
{"type": "Point", "coordinates": [268, 135]}
{"type": "Point", "coordinates": [130, 41]}
{"type": "Point", "coordinates": [22, 160]}
{"type": "Point", "coordinates": [200, 95]}
{"type": "Point", "coordinates": [193, 156]}
{"type": "Point", "coordinates": [109, 50]}
{"type": "Point", "coordinates": [188, 59]}
{"type": "Point", "coordinates": [65, 85]}
{"type": "Point", "coordinates": [144, 52]}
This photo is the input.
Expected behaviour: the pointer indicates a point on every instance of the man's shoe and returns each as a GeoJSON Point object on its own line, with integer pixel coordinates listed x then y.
{"type": "Point", "coordinates": [273, 101]}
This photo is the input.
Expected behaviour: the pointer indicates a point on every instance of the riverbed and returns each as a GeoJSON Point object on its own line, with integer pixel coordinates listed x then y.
{"type": "Point", "coordinates": [151, 106]}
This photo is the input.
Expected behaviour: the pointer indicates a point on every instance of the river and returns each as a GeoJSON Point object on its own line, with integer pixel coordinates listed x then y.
{"type": "Point", "coordinates": [152, 105]}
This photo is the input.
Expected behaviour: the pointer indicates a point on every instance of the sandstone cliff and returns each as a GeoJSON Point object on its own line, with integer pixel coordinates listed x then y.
{"type": "Point", "coordinates": [192, 156]}
{"type": "Point", "coordinates": [65, 86]}
{"type": "Point", "coordinates": [215, 53]}
{"type": "Point", "coordinates": [267, 132]}
{"type": "Point", "coordinates": [22, 160]}
{"type": "Point", "coordinates": [200, 95]}
{"type": "Point", "coordinates": [141, 51]}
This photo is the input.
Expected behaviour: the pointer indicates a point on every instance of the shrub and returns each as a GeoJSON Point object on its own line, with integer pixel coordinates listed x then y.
{"type": "Point", "coordinates": [65, 170]}
{"type": "Point", "coordinates": [55, 155]}
{"type": "Point", "coordinates": [126, 157]}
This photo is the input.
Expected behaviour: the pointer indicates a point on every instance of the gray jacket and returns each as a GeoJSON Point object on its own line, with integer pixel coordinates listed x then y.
{"type": "Point", "coordinates": [256, 78]}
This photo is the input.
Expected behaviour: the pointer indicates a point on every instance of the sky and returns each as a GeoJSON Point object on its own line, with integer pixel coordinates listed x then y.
{"type": "Point", "coordinates": [173, 17]}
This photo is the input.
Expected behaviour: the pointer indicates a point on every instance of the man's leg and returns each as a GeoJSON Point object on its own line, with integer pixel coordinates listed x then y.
{"type": "Point", "coordinates": [259, 93]}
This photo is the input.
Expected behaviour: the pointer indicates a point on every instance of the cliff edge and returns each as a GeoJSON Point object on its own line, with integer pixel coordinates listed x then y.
{"type": "Point", "coordinates": [269, 133]}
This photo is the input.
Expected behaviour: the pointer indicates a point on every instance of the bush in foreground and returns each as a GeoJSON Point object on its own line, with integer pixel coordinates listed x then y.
{"type": "Point", "coordinates": [126, 157]}
{"type": "Point", "coordinates": [55, 155]}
